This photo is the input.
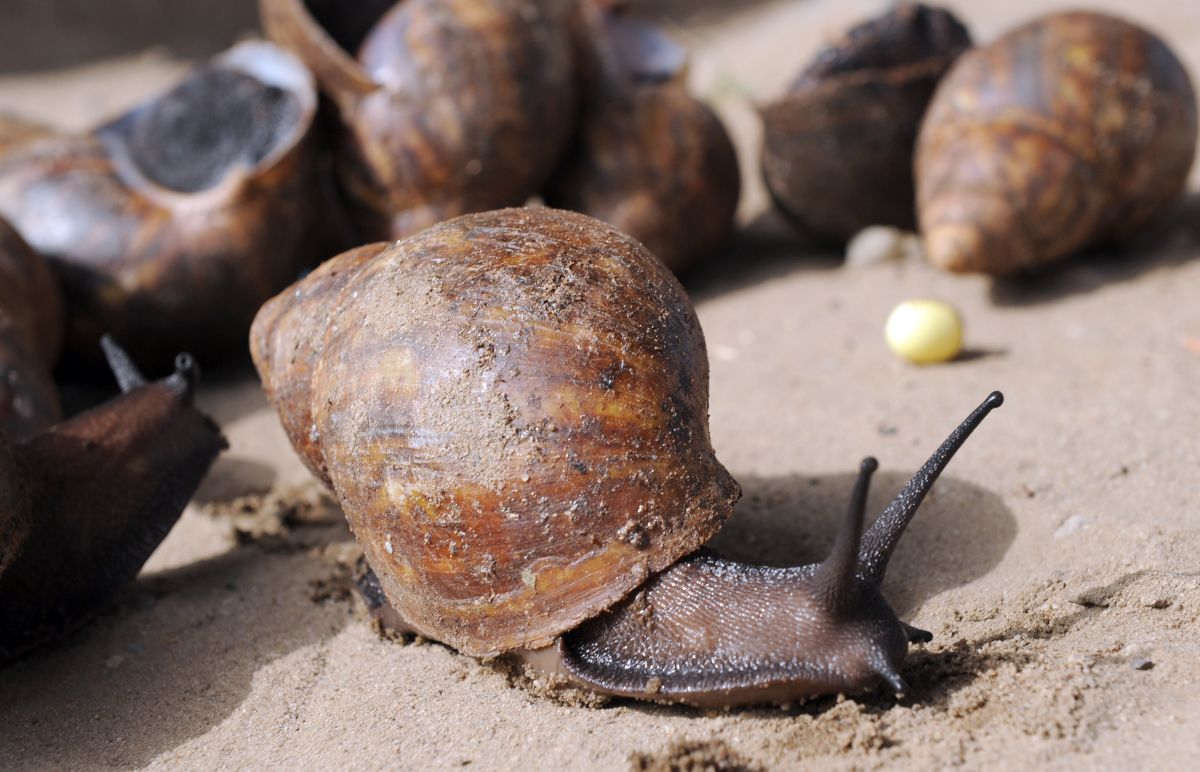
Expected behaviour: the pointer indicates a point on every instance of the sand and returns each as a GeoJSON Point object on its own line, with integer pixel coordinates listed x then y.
{"type": "Point", "coordinates": [1055, 562]}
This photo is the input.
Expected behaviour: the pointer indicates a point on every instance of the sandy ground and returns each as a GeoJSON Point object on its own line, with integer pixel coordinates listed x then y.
{"type": "Point", "coordinates": [1055, 563]}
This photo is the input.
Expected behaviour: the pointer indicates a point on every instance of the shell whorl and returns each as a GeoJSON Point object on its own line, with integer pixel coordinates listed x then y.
{"type": "Point", "coordinates": [512, 408]}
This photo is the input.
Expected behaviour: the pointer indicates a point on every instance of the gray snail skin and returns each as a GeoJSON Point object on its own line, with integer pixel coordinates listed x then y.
{"type": "Point", "coordinates": [84, 502]}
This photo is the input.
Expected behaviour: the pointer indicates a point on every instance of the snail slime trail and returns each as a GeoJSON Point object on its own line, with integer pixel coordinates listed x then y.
{"type": "Point", "coordinates": [189, 139]}
{"type": "Point", "coordinates": [527, 466]}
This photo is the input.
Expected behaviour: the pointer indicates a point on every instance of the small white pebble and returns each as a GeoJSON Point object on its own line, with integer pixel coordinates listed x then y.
{"type": "Point", "coordinates": [875, 244]}
{"type": "Point", "coordinates": [924, 331]}
{"type": "Point", "coordinates": [1071, 525]}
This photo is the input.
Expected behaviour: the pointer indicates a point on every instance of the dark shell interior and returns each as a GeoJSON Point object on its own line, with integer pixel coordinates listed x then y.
{"type": "Point", "coordinates": [214, 121]}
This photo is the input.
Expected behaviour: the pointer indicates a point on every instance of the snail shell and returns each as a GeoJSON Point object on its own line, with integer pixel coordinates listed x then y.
{"type": "Point", "coordinates": [1072, 130]}
{"type": "Point", "coordinates": [85, 502]}
{"type": "Point", "coordinates": [452, 106]}
{"type": "Point", "coordinates": [31, 326]}
{"type": "Point", "coordinates": [838, 147]}
{"type": "Point", "coordinates": [171, 225]}
{"type": "Point", "coordinates": [529, 441]}
{"type": "Point", "coordinates": [648, 157]}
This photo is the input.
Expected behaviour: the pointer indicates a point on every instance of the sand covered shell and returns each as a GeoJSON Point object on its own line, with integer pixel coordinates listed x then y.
{"type": "Point", "coordinates": [512, 409]}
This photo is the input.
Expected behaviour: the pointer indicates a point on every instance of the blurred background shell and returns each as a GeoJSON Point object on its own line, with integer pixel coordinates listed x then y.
{"type": "Point", "coordinates": [838, 146]}
{"type": "Point", "coordinates": [1072, 130]}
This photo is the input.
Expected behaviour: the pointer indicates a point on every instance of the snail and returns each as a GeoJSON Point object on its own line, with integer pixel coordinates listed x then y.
{"type": "Point", "coordinates": [1074, 130]}
{"type": "Point", "coordinates": [451, 106]}
{"type": "Point", "coordinates": [511, 407]}
{"type": "Point", "coordinates": [84, 502]}
{"type": "Point", "coordinates": [838, 146]}
{"type": "Point", "coordinates": [31, 322]}
{"type": "Point", "coordinates": [648, 157]}
{"type": "Point", "coordinates": [169, 226]}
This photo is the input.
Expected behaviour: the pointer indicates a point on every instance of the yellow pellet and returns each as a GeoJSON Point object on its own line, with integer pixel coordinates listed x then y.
{"type": "Point", "coordinates": [924, 331]}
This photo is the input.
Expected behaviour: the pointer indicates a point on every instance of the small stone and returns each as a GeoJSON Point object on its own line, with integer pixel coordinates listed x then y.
{"type": "Point", "coordinates": [1141, 664]}
{"type": "Point", "coordinates": [1071, 525]}
{"type": "Point", "coordinates": [114, 662]}
{"type": "Point", "coordinates": [875, 244]}
{"type": "Point", "coordinates": [1155, 601]}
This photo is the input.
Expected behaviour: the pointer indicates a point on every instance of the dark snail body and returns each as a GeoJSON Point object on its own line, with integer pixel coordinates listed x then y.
{"type": "Point", "coordinates": [31, 327]}
{"type": "Point", "coordinates": [85, 502]}
{"type": "Point", "coordinates": [510, 407]}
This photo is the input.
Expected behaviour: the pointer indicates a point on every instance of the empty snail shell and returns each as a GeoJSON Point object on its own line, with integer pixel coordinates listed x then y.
{"type": "Point", "coordinates": [511, 408]}
{"type": "Point", "coordinates": [171, 225]}
{"type": "Point", "coordinates": [85, 502]}
{"type": "Point", "coordinates": [1072, 130]}
{"type": "Point", "coordinates": [648, 157]}
{"type": "Point", "coordinates": [451, 106]}
{"type": "Point", "coordinates": [838, 147]}
{"type": "Point", "coordinates": [31, 325]}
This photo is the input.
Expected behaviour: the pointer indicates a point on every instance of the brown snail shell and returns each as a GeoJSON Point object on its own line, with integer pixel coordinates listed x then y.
{"type": "Point", "coordinates": [31, 327]}
{"type": "Point", "coordinates": [284, 329]}
{"type": "Point", "coordinates": [511, 354]}
{"type": "Point", "coordinates": [838, 147]}
{"type": "Point", "coordinates": [1072, 130]}
{"type": "Point", "coordinates": [169, 226]}
{"type": "Point", "coordinates": [511, 407]}
{"type": "Point", "coordinates": [452, 106]}
{"type": "Point", "coordinates": [84, 502]}
{"type": "Point", "coordinates": [648, 157]}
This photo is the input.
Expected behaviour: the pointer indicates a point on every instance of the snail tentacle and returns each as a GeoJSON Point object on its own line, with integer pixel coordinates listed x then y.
{"type": "Point", "coordinates": [836, 576]}
{"type": "Point", "coordinates": [883, 536]}
{"type": "Point", "coordinates": [128, 376]}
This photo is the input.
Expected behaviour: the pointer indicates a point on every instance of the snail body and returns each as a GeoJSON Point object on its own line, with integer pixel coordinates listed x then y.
{"type": "Point", "coordinates": [526, 464]}
{"type": "Point", "coordinates": [31, 327]}
{"type": "Point", "coordinates": [648, 157]}
{"type": "Point", "coordinates": [84, 502]}
{"type": "Point", "coordinates": [838, 146]}
{"type": "Point", "coordinates": [169, 226]}
{"type": "Point", "coordinates": [442, 106]}
{"type": "Point", "coordinates": [1073, 130]}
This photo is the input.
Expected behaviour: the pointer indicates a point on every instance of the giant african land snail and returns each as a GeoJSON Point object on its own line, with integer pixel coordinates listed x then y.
{"type": "Point", "coordinates": [512, 409]}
